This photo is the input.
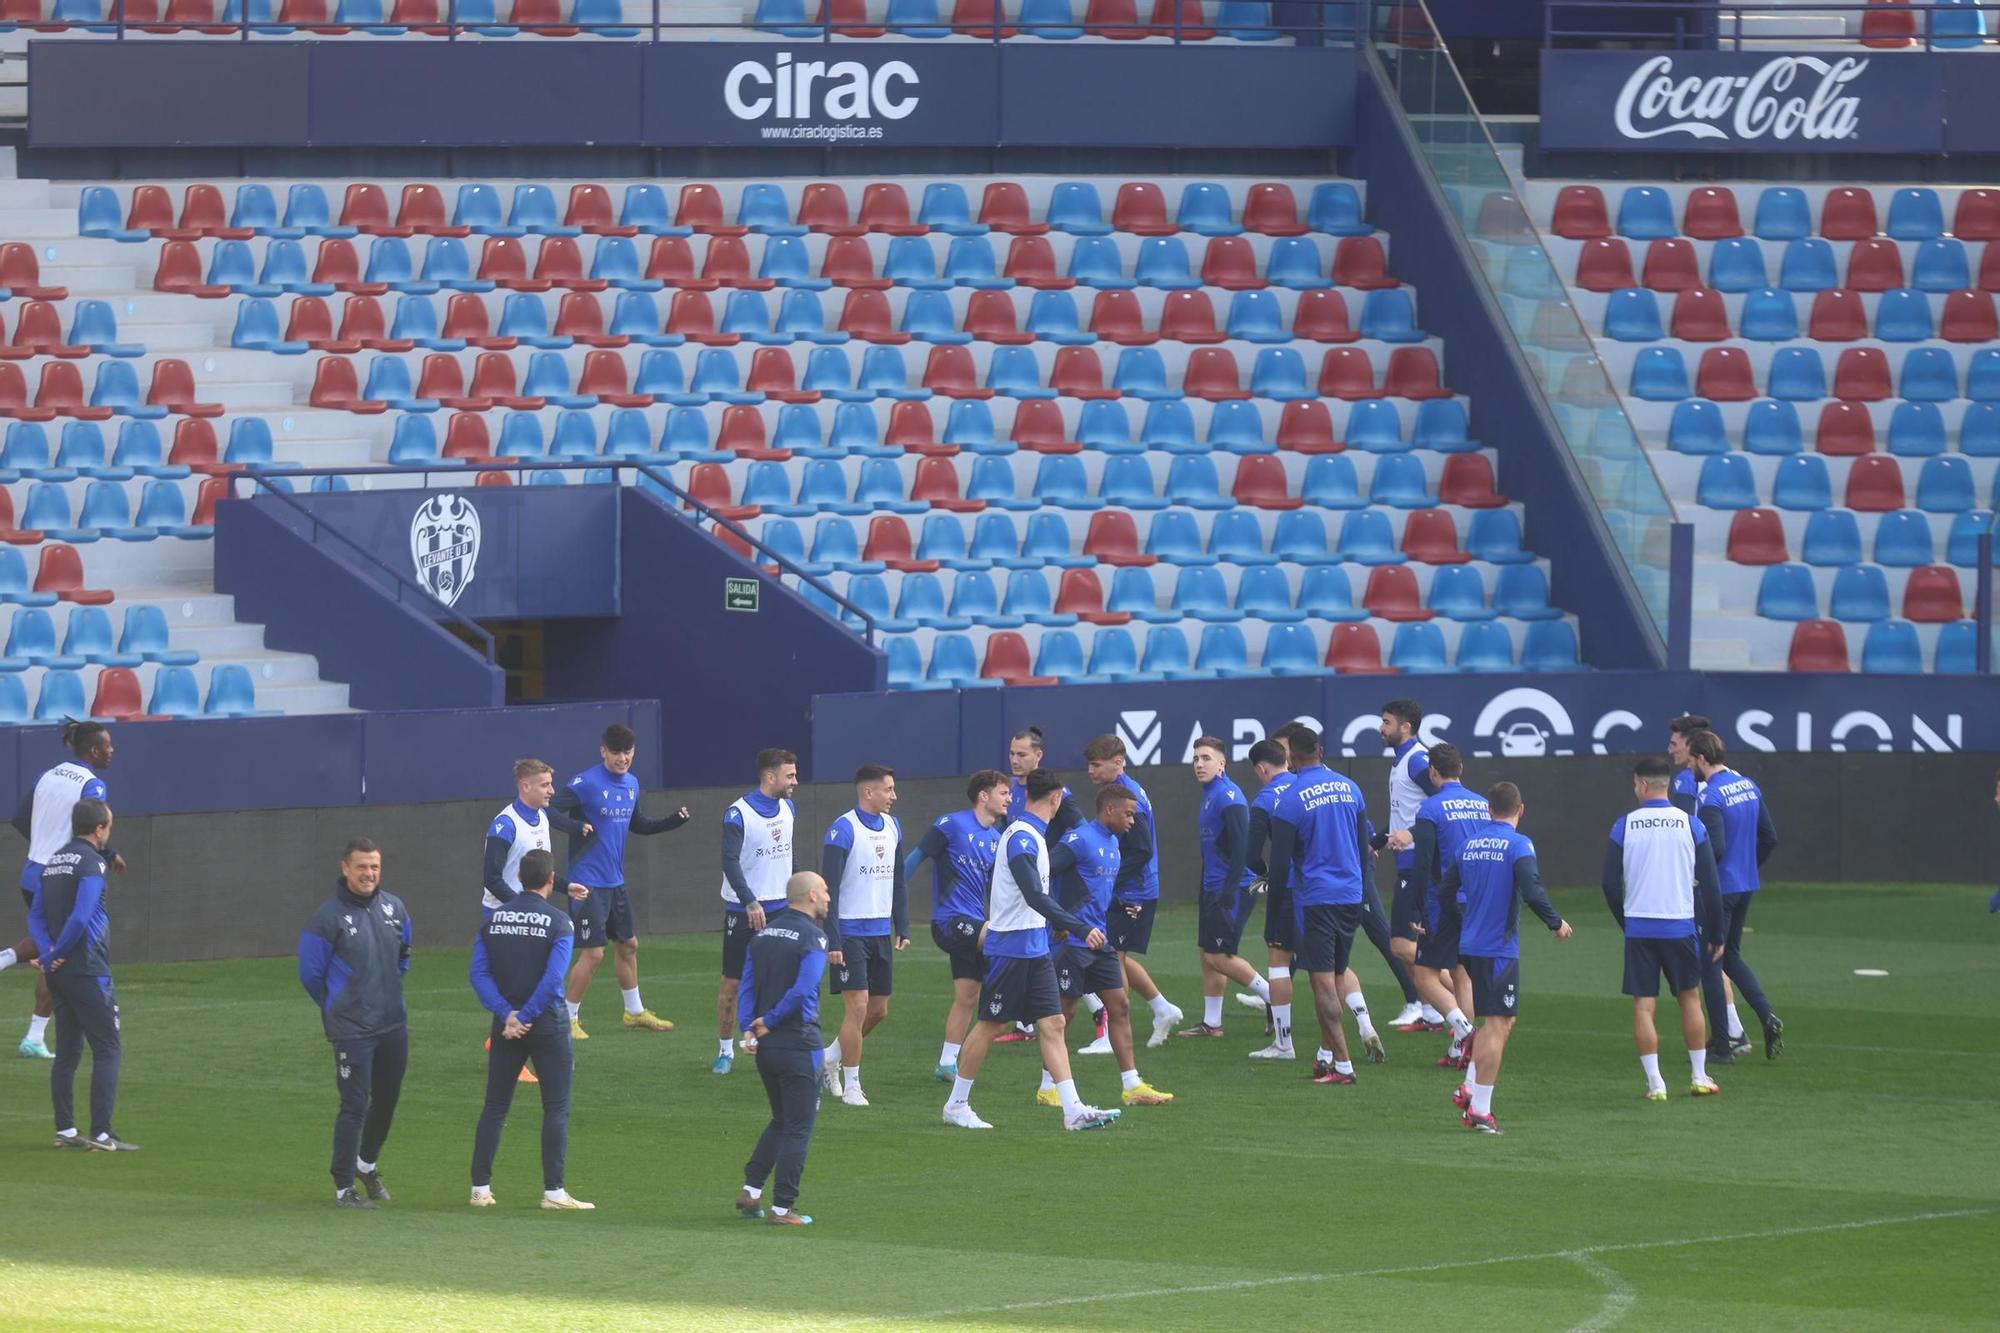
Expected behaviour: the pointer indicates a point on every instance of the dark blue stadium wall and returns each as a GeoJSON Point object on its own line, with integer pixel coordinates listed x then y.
{"type": "Point", "coordinates": [1507, 413]}
{"type": "Point", "coordinates": [314, 594]}
{"type": "Point", "coordinates": [731, 681]}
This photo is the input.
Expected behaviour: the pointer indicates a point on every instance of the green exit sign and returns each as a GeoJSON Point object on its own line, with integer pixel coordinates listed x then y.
{"type": "Point", "coordinates": [740, 594]}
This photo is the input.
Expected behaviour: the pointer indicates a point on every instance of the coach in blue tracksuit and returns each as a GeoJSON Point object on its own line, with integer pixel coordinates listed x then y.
{"type": "Point", "coordinates": [72, 933]}
{"type": "Point", "coordinates": [352, 957]}
{"type": "Point", "coordinates": [778, 1004]}
{"type": "Point", "coordinates": [519, 957]}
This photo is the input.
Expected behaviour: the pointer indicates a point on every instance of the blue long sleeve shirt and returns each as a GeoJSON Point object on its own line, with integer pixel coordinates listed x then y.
{"type": "Point", "coordinates": [782, 972]}
{"type": "Point", "coordinates": [521, 956]}
{"type": "Point", "coordinates": [67, 916]}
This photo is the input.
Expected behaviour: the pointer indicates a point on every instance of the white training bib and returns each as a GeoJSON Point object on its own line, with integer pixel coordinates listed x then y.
{"type": "Point", "coordinates": [527, 838]}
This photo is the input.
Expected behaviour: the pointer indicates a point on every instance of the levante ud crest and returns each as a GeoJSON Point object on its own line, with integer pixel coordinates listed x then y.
{"type": "Point", "coordinates": [444, 545]}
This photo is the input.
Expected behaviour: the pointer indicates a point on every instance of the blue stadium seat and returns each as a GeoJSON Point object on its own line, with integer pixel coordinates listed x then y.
{"type": "Point", "coordinates": [1335, 209]}
{"type": "Point", "coordinates": [163, 509]}
{"type": "Point", "coordinates": [389, 262]}
{"type": "Point", "coordinates": [1205, 210]}
{"type": "Point", "coordinates": [1736, 264]}
{"type": "Point", "coordinates": [1256, 317]}
{"type": "Point", "coordinates": [974, 598]}
{"type": "Point", "coordinates": [1632, 315]}
{"type": "Point", "coordinates": [1389, 316]}
{"type": "Point", "coordinates": [1782, 214]}
{"type": "Point", "coordinates": [47, 511]}
{"type": "Point", "coordinates": [945, 208]}
{"type": "Point", "coordinates": [1132, 593]}
{"type": "Point", "coordinates": [1494, 535]}
{"type": "Point", "coordinates": [629, 435]}
{"type": "Point", "coordinates": [389, 382]}
{"type": "Point", "coordinates": [1326, 594]}
{"type": "Point", "coordinates": [1772, 427]}
{"type": "Point", "coordinates": [1801, 483]}
{"type": "Point", "coordinates": [1726, 483]}
{"type": "Point", "coordinates": [1807, 266]}
{"type": "Point", "coordinates": [1279, 375]}
{"type": "Point", "coordinates": [1192, 482]}
{"type": "Point", "coordinates": [1399, 481]}
{"type": "Point", "coordinates": [1053, 318]}
{"type": "Point", "coordinates": [1163, 263]}
{"type": "Point", "coordinates": [645, 207]}
{"type": "Point", "coordinates": [1114, 656]}
{"type": "Point", "coordinates": [1916, 430]}
{"type": "Point", "coordinates": [307, 214]}
{"type": "Point", "coordinates": [1797, 375]}
{"type": "Point", "coordinates": [1105, 426]}
{"type": "Point", "coordinates": [413, 442]}
{"type": "Point", "coordinates": [1169, 426]}
{"type": "Point", "coordinates": [1441, 425]}
{"type": "Point", "coordinates": [762, 208]}
{"type": "Point", "coordinates": [1300, 538]}
{"type": "Point", "coordinates": [1174, 537]}
{"type": "Point", "coordinates": [1660, 375]}
{"type": "Point", "coordinates": [93, 325]}
{"type": "Point", "coordinates": [1127, 482]}
{"type": "Point", "coordinates": [1296, 263]}
{"type": "Point", "coordinates": [921, 600]}
{"type": "Point", "coordinates": [1962, 538]}
{"type": "Point", "coordinates": [285, 269]}
{"type": "Point", "coordinates": [1028, 598]}
{"type": "Point", "coordinates": [1236, 537]}
{"type": "Point", "coordinates": [1982, 376]}
{"type": "Point", "coordinates": [26, 452]}
{"type": "Point", "coordinates": [1903, 540]}
{"type": "Point", "coordinates": [616, 261]}
{"type": "Point", "coordinates": [884, 375]}
{"type": "Point", "coordinates": [1059, 655]}
{"type": "Point", "coordinates": [13, 701]}
{"type": "Point", "coordinates": [836, 545]}
{"type": "Point", "coordinates": [61, 697]}
{"type": "Point", "coordinates": [107, 510]}
{"type": "Point", "coordinates": [520, 437]}
{"type": "Point", "coordinates": [101, 216]}
{"type": "Point", "coordinates": [1167, 654]}
{"type": "Point", "coordinates": [604, 18]}
{"type": "Point", "coordinates": [1291, 650]}
{"type": "Point", "coordinates": [929, 317]}
{"type": "Point", "coordinates": [1074, 206]}
{"type": "Point", "coordinates": [942, 538]}
{"type": "Point", "coordinates": [854, 429]}
{"type": "Point", "coordinates": [1961, 25]}
{"type": "Point", "coordinates": [1521, 592]}
{"type": "Point", "coordinates": [715, 375]}
{"type": "Point", "coordinates": [1487, 646]}
{"type": "Point", "coordinates": [1237, 428]}
{"type": "Point", "coordinates": [1787, 593]}
{"type": "Point", "coordinates": [1094, 262]}
{"type": "Point", "coordinates": [81, 449]}
{"type": "Point", "coordinates": [781, 535]}
{"type": "Point", "coordinates": [1833, 538]}
{"type": "Point", "coordinates": [1944, 486]}
{"type": "Point", "coordinates": [1140, 373]}
{"type": "Point", "coordinates": [139, 450]}
{"type": "Point", "coordinates": [447, 264]}
{"type": "Point", "coordinates": [257, 329]}
{"type": "Point", "coordinates": [787, 263]}
{"type": "Point", "coordinates": [523, 316]}
{"type": "Point", "coordinates": [230, 265]}
{"type": "Point", "coordinates": [88, 636]}
{"type": "Point", "coordinates": [117, 387]}
{"type": "Point", "coordinates": [478, 206]}
{"type": "Point", "coordinates": [1376, 426]}
{"type": "Point", "coordinates": [969, 425]}
{"type": "Point", "coordinates": [1013, 371]}
{"type": "Point", "coordinates": [1263, 592]}
{"type": "Point", "coordinates": [1979, 431]}
{"type": "Point", "coordinates": [1769, 315]}
{"type": "Point", "coordinates": [230, 692]}
{"type": "Point", "coordinates": [1418, 646]}
{"type": "Point", "coordinates": [576, 438]}
{"type": "Point", "coordinates": [14, 590]}
{"type": "Point", "coordinates": [1903, 315]}
{"type": "Point", "coordinates": [174, 693]}
{"type": "Point", "coordinates": [1930, 376]}
{"type": "Point", "coordinates": [953, 661]}
{"type": "Point", "coordinates": [416, 321]}
{"type": "Point", "coordinates": [1957, 649]}
{"type": "Point", "coordinates": [906, 664]}
{"type": "Point", "coordinates": [1550, 645]}
{"type": "Point", "coordinates": [1459, 593]}
{"type": "Point", "coordinates": [746, 316]}
{"type": "Point", "coordinates": [1645, 213]}
{"type": "Point", "coordinates": [1245, 20]}
{"type": "Point", "coordinates": [1696, 428]}
{"type": "Point", "coordinates": [31, 641]}
{"type": "Point", "coordinates": [1915, 215]}
{"type": "Point", "coordinates": [1940, 266]}
{"type": "Point", "coordinates": [1860, 593]}
{"type": "Point", "coordinates": [1222, 651]}
{"type": "Point", "coordinates": [145, 636]}
{"type": "Point", "coordinates": [916, 18]}
{"type": "Point", "coordinates": [1059, 480]}
{"type": "Point", "coordinates": [1366, 539]}
{"type": "Point", "coordinates": [1330, 483]}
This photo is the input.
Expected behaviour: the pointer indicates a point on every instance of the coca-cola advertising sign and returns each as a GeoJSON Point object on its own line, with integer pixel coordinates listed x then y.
{"type": "Point", "coordinates": [1740, 101]}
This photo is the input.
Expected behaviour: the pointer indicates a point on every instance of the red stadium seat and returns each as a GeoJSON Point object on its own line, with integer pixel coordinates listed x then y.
{"type": "Point", "coordinates": [1305, 426]}
{"type": "Point", "coordinates": [700, 207]}
{"type": "Point", "coordinates": [1113, 539]}
{"type": "Point", "coordinates": [1077, 373]}
{"type": "Point", "coordinates": [173, 389]}
{"type": "Point", "coordinates": [866, 315]}
{"type": "Point", "coordinates": [180, 271]}
{"type": "Point", "coordinates": [580, 317]}
{"type": "Point", "coordinates": [1356, 650]}
{"type": "Point", "coordinates": [1189, 317]}
{"type": "Point", "coordinates": [848, 18]}
{"type": "Point", "coordinates": [1182, 19]}
{"type": "Point", "coordinates": [949, 371]}
{"type": "Point", "coordinates": [422, 213]}
{"type": "Point", "coordinates": [1117, 19]}
{"type": "Point", "coordinates": [1818, 645]}
{"type": "Point", "coordinates": [1392, 594]}
{"type": "Point", "coordinates": [14, 536]}
{"type": "Point", "coordinates": [1431, 535]}
{"type": "Point", "coordinates": [849, 263]}
{"type": "Point", "coordinates": [1710, 214]}
{"type": "Point", "coordinates": [543, 18]}
{"type": "Point", "coordinates": [1345, 373]}
{"type": "Point", "coordinates": [1080, 593]}
{"type": "Point", "coordinates": [1321, 317]}
{"type": "Point", "coordinates": [1211, 375]}
{"type": "Point", "coordinates": [1757, 537]}
{"type": "Point", "coordinates": [1874, 265]}
{"type": "Point", "coordinates": [421, 15]}
{"type": "Point", "coordinates": [1845, 430]}
{"type": "Point", "coordinates": [1969, 318]}
{"type": "Point", "coordinates": [1874, 484]}
{"type": "Point", "coordinates": [211, 492]}
{"type": "Point", "coordinates": [1699, 316]}
{"type": "Point", "coordinates": [1467, 481]}
{"type": "Point", "coordinates": [728, 263]}
{"type": "Point", "coordinates": [1976, 216]}
{"type": "Point", "coordinates": [1580, 214]}
{"type": "Point", "coordinates": [885, 210]}
{"type": "Point", "coordinates": [202, 212]}
{"type": "Point", "coordinates": [604, 375]}
{"type": "Point", "coordinates": [989, 317]}
{"type": "Point", "coordinates": [560, 264]}
{"type": "Point", "coordinates": [336, 389]}
{"type": "Point", "coordinates": [590, 209]}
{"type": "Point", "coordinates": [1837, 316]}
{"type": "Point", "coordinates": [366, 208]}
{"type": "Point", "coordinates": [1260, 481]}
{"type": "Point", "coordinates": [1848, 215]}
{"type": "Point", "coordinates": [1358, 261]}
{"type": "Point", "coordinates": [1989, 268]}
{"type": "Point", "coordinates": [1932, 596]}
{"type": "Point", "coordinates": [311, 16]}
{"type": "Point", "coordinates": [1228, 262]}
{"type": "Point", "coordinates": [1861, 375]}
{"type": "Point", "coordinates": [195, 447]}
{"type": "Point", "coordinates": [1271, 209]}
{"type": "Point", "coordinates": [1724, 376]}
{"type": "Point", "coordinates": [361, 323]}
{"type": "Point", "coordinates": [40, 333]}
{"type": "Point", "coordinates": [465, 437]}
{"type": "Point", "coordinates": [912, 430]}
{"type": "Point", "coordinates": [1670, 266]}
{"type": "Point", "coordinates": [823, 208]}
{"type": "Point", "coordinates": [339, 265]}
{"type": "Point", "coordinates": [936, 484]}
{"type": "Point", "coordinates": [974, 18]}
{"type": "Point", "coordinates": [61, 572]}
{"type": "Point", "coordinates": [693, 317]}
{"type": "Point", "coordinates": [465, 317]}
{"type": "Point", "coordinates": [1031, 261]}
{"type": "Point", "coordinates": [442, 380]}
{"type": "Point", "coordinates": [503, 262]}
{"type": "Point", "coordinates": [152, 209]}
{"type": "Point", "coordinates": [1888, 24]}
{"type": "Point", "coordinates": [1140, 207]}
{"type": "Point", "coordinates": [14, 397]}
{"type": "Point", "coordinates": [1115, 317]}
{"type": "Point", "coordinates": [741, 432]}
{"type": "Point", "coordinates": [708, 484]}
{"type": "Point", "coordinates": [21, 274]}
{"type": "Point", "coordinates": [494, 380]}
{"type": "Point", "coordinates": [1004, 207]}
{"type": "Point", "coordinates": [889, 541]}
{"type": "Point", "coordinates": [1502, 220]}
{"type": "Point", "coordinates": [1605, 265]}
{"type": "Point", "coordinates": [671, 261]}
{"type": "Point", "coordinates": [118, 696]}
{"type": "Point", "coordinates": [773, 375]}
{"type": "Point", "coordinates": [1413, 373]}
{"type": "Point", "coordinates": [1007, 654]}
{"type": "Point", "coordinates": [1039, 428]}
{"type": "Point", "coordinates": [61, 392]}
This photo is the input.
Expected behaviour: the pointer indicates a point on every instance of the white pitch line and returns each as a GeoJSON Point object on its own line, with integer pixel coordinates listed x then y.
{"type": "Point", "coordinates": [1619, 1295]}
{"type": "Point", "coordinates": [1577, 1254]}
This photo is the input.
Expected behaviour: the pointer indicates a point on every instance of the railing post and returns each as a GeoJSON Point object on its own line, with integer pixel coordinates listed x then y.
{"type": "Point", "coordinates": [1982, 605]}
{"type": "Point", "coordinates": [1680, 596]}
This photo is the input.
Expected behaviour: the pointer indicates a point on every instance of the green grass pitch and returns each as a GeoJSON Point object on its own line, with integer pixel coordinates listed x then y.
{"type": "Point", "coordinates": [1853, 1184]}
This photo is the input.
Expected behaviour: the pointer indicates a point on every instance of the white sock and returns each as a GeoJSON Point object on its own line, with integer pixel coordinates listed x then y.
{"type": "Point", "coordinates": [632, 1005]}
{"type": "Point", "coordinates": [1281, 1019]}
{"type": "Point", "coordinates": [961, 1090]}
{"type": "Point", "coordinates": [1482, 1099]}
{"type": "Point", "coordinates": [1471, 1071]}
{"type": "Point", "coordinates": [1735, 1023]}
{"type": "Point", "coordinates": [69, 1133]}
{"type": "Point", "coordinates": [1431, 1015]}
{"type": "Point", "coordinates": [365, 1168]}
{"type": "Point", "coordinates": [1360, 1007]}
{"type": "Point", "coordinates": [7, 959]}
{"type": "Point", "coordinates": [949, 1055]}
{"type": "Point", "coordinates": [1047, 1082]}
{"type": "Point", "coordinates": [1260, 988]}
{"type": "Point", "coordinates": [1128, 1079]}
{"type": "Point", "coordinates": [1651, 1064]}
{"type": "Point", "coordinates": [37, 1025]}
{"type": "Point", "coordinates": [832, 1055]}
{"type": "Point", "coordinates": [1461, 1026]}
{"type": "Point", "coordinates": [727, 1047]}
{"type": "Point", "coordinates": [1092, 1003]}
{"type": "Point", "coordinates": [1160, 1006]}
{"type": "Point", "coordinates": [1323, 1055]}
{"type": "Point", "coordinates": [779, 1212]}
{"type": "Point", "coordinates": [1067, 1091]}
{"type": "Point", "coordinates": [1343, 1066]}
{"type": "Point", "coordinates": [1211, 1010]}
{"type": "Point", "coordinates": [754, 1191]}
{"type": "Point", "coordinates": [576, 1011]}
{"type": "Point", "coordinates": [1699, 1059]}
{"type": "Point", "coordinates": [850, 1076]}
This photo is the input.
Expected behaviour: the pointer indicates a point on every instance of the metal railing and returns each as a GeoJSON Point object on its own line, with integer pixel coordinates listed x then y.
{"type": "Point", "coordinates": [1939, 27]}
{"type": "Point", "coordinates": [660, 482]}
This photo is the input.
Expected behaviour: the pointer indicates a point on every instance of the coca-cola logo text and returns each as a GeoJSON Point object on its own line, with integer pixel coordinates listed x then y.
{"type": "Point", "coordinates": [1777, 101]}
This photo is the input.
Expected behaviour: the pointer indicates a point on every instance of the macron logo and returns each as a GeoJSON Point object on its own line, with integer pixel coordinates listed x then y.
{"type": "Point", "coordinates": [1141, 732]}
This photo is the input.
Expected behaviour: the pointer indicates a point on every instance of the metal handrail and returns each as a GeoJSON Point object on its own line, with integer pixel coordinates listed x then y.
{"type": "Point", "coordinates": [648, 470]}
{"type": "Point", "coordinates": [1708, 21]}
